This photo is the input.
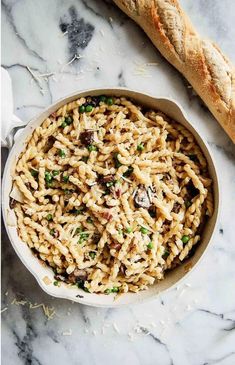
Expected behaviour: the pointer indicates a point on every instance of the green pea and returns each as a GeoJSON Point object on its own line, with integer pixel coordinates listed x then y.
{"type": "Point", "coordinates": [68, 120]}
{"type": "Point", "coordinates": [62, 153]}
{"type": "Point", "coordinates": [102, 98]}
{"type": "Point", "coordinates": [55, 172]}
{"type": "Point", "coordinates": [117, 163]}
{"type": "Point", "coordinates": [143, 230]}
{"type": "Point", "coordinates": [128, 172]}
{"type": "Point", "coordinates": [89, 220]}
{"type": "Point", "coordinates": [140, 147]}
{"type": "Point", "coordinates": [66, 178]}
{"type": "Point", "coordinates": [52, 232]}
{"type": "Point", "coordinates": [193, 157]}
{"type": "Point", "coordinates": [110, 183]}
{"type": "Point", "coordinates": [49, 184]}
{"type": "Point", "coordinates": [166, 254]}
{"type": "Point", "coordinates": [108, 291]}
{"type": "Point", "coordinates": [88, 108]}
{"type": "Point", "coordinates": [48, 177]}
{"type": "Point", "coordinates": [34, 173]}
{"type": "Point", "coordinates": [115, 289]}
{"type": "Point", "coordinates": [77, 211]}
{"type": "Point", "coordinates": [109, 101]}
{"type": "Point", "coordinates": [150, 245]}
{"type": "Point", "coordinates": [56, 283]}
{"type": "Point", "coordinates": [82, 109]}
{"type": "Point", "coordinates": [49, 217]}
{"type": "Point", "coordinates": [85, 158]}
{"type": "Point", "coordinates": [83, 237]}
{"type": "Point", "coordinates": [91, 148]}
{"type": "Point", "coordinates": [63, 124]}
{"type": "Point", "coordinates": [185, 239]}
{"type": "Point", "coordinates": [187, 203]}
{"type": "Point", "coordinates": [78, 230]}
{"type": "Point", "coordinates": [128, 230]}
{"type": "Point", "coordinates": [92, 255]}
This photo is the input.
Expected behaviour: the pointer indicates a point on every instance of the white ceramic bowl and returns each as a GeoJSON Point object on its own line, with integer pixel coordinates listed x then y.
{"type": "Point", "coordinates": [41, 271]}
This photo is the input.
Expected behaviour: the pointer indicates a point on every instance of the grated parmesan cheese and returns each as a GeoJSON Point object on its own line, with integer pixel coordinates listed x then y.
{"type": "Point", "coordinates": [116, 328]}
{"type": "Point", "coordinates": [67, 333]}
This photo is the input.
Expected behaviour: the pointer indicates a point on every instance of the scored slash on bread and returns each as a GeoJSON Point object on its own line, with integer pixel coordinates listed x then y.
{"type": "Point", "coordinates": [201, 62]}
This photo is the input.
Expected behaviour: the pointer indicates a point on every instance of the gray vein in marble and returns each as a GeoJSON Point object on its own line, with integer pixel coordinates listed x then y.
{"type": "Point", "coordinates": [219, 360]}
{"type": "Point", "coordinates": [157, 340]}
{"type": "Point", "coordinates": [121, 80]}
{"type": "Point", "coordinates": [25, 344]}
{"type": "Point", "coordinates": [90, 8]}
{"type": "Point", "coordinates": [30, 106]}
{"type": "Point", "coordinates": [229, 150]}
{"type": "Point", "coordinates": [7, 9]}
{"type": "Point", "coordinates": [220, 315]}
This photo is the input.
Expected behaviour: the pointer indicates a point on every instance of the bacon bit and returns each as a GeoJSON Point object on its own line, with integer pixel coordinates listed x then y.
{"type": "Point", "coordinates": [115, 246]}
{"type": "Point", "coordinates": [122, 269]}
{"type": "Point", "coordinates": [34, 162]}
{"type": "Point", "coordinates": [117, 193]}
{"type": "Point", "coordinates": [132, 246]}
{"type": "Point", "coordinates": [56, 234]}
{"type": "Point", "coordinates": [107, 215]}
{"type": "Point", "coordinates": [53, 115]}
{"type": "Point", "coordinates": [106, 179]}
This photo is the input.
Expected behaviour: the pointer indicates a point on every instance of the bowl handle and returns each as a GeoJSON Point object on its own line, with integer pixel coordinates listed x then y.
{"type": "Point", "coordinates": [10, 124]}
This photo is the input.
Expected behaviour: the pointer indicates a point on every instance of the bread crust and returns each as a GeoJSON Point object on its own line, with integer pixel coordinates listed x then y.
{"type": "Point", "coordinates": [201, 62]}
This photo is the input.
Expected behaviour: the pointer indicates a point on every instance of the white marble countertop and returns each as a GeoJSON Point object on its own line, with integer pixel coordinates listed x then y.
{"type": "Point", "coordinates": [193, 324]}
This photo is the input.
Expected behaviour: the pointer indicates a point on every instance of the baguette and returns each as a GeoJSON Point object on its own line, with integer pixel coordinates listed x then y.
{"type": "Point", "coordinates": [201, 62]}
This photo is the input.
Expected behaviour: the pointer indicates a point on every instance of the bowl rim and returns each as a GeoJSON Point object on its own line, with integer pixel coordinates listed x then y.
{"type": "Point", "coordinates": [7, 171]}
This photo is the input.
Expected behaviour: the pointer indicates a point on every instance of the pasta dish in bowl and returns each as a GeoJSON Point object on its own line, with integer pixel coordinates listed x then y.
{"type": "Point", "coordinates": [114, 194]}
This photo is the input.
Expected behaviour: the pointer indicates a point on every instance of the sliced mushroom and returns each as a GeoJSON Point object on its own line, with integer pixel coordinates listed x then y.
{"type": "Point", "coordinates": [142, 197]}
{"type": "Point", "coordinates": [105, 179]}
{"type": "Point", "coordinates": [77, 276]}
{"type": "Point", "coordinates": [122, 269]}
{"type": "Point", "coordinates": [87, 137]}
{"type": "Point", "coordinates": [192, 190]}
{"type": "Point", "coordinates": [12, 203]}
{"type": "Point", "coordinates": [95, 238]}
{"type": "Point", "coordinates": [152, 211]}
{"type": "Point", "coordinates": [81, 274]}
{"type": "Point", "coordinates": [176, 207]}
{"type": "Point", "coordinates": [60, 278]}
{"type": "Point", "coordinates": [49, 144]}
